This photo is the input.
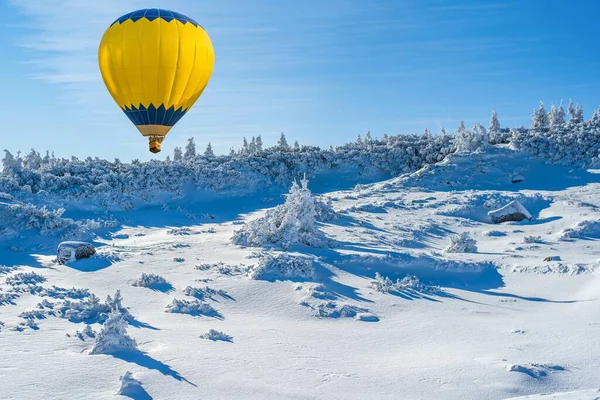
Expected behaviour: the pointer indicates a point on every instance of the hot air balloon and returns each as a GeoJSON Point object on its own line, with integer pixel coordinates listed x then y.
{"type": "Point", "coordinates": [155, 64]}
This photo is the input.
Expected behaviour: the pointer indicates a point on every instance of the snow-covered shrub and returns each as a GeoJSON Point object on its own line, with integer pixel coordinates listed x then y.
{"type": "Point", "coordinates": [293, 222]}
{"type": "Point", "coordinates": [33, 314]}
{"type": "Point", "coordinates": [533, 239]}
{"type": "Point", "coordinates": [462, 243]}
{"type": "Point", "coordinates": [113, 337]}
{"type": "Point", "coordinates": [25, 278]}
{"type": "Point", "coordinates": [63, 293]}
{"type": "Point", "coordinates": [408, 283]}
{"type": "Point", "coordinates": [151, 281]}
{"type": "Point", "coordinates": [204, 293]}
{"type": "Point", "coordinates": [216, 336]}
{"type": "Point", "coordinates": [193, 307]}
{"type": "Point", "coordinates": [282, 265]}
{"type": "Point", "coordinates": [90, 309]}
{"type": "Point", "coordinates": [8, 298]}
{"type": "Point", "coordinates": [325, 211]}
{"type": "Point", "coordinates": [331, 309]}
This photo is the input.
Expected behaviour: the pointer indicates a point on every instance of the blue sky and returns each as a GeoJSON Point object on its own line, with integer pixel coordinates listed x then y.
{"type": "Point", "coordinates": [319, 71]}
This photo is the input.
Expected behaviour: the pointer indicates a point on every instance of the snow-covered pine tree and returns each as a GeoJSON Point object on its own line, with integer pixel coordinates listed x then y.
{"type": "Point", "coordinates": [494, 128]}
{"type": "Point", "coordinates": [244, 150]}
{"type": "Point", "coordinates": [113, 338]}
{"type": "Point", "coordinates": [10, 164]}
{"type": "Point", "coordinates": [539, 118]}
{"type": "Point", "coordinates": [209, 151]}
{"type": "Point", "coordinates": [595, 120]}
{"type": "Point", "coordinates": [190, 149]}
{"type": "Point", "coordinates": [252, 146]}
{"type": "Point", "coordinates": [296, 146]}
{"type": "Point", "coordinates": [177, 154]}
{"type": "Point", "coordinates": [557, 116]}
{"type": "Point", "coordinates": [282, 143]}
{"type": "Point", "coordinates": [259, 144]}
{"type": "Point", "coordinates": [290, 223]}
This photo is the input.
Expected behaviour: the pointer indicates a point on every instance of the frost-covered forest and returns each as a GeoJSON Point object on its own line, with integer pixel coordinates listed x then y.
{"type": "Point", "coordinates": [552, 135]}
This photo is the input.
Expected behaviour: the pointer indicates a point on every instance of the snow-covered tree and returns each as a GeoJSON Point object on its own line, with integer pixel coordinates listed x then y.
{"type": "Point", "coordinates": [33, 160]}
{"type": "Point", "coordinates": [539, 118]}
{"type": "Point", "coordinates": [557, 116]}
{"type": "Point", "coordinates": [231, 152]}
{"type": "Point", "coordinates": [595, 120]}
{"type": "Point", "coordinates": [10, 164]}
{"type": "Point", "coordinates": [177, 154]}
{"type": "Point", "coordinates": [494, 126]}
{"type": "Point", "coordinates": [575, 113]}
{"type": "Point", "coordinates": [290, 223]}
{"type": "Point", "coordinates": [252, 146]}
{"type": "Point", "coordinates": [468, 141]}
{"type": "Point", "coordinates": [190, 149]}
{"type": "Point", "coordinates": [113, 338]}
{"type": "Point", "coordinates": [209, 151]}
{"type": "Point", "coordinates": [359, 140]}
{"type": "Point", "coordinates": [462, 243]}
{"type": "Point", "coordinates": [245, 149]}
{"type": "Point", "coordinates": [282, 143]}
{"type": "Point", "coordinates": [296, 146]}
{"type": "Point", "coordinates": [259, 144]}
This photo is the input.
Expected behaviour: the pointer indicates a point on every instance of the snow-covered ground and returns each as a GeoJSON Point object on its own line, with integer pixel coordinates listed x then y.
{"type": "Point", "coordinates": [369, 302]}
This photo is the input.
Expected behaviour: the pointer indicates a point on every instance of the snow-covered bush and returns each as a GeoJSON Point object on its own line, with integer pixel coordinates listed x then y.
{"type": "Point", "coordinates": [408, 283]}
{"type": "Point", "coordinates": [216, 336]}
{"type": "Point", "coordinates": [193, 307]}
{"type": "Point", "coordinates": [533, 239]}
{"type": "Point", "coordinates": [25, 278]}
{"type": "Point", "coordinates": [90, 309]}
{"type": "Point", "coordinates": [293, 222]}
{"type": "Point", "coordinates": [151, 281]}
{"type": "Point", "coordinates": [462, 243]}
{"type": "Point", "coordinates": [63, 293]}
{"type": "Point", "coordinates": [282, 265]}
{"type": "Point", "coordinates": [204, 293]}
{"type": "Point", "coordinates": [113, 337]}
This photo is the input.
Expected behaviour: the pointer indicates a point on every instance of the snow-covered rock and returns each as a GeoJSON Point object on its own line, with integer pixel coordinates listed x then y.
{"type": "Point", "coordinates": [513, 211]}
{"type": "Point", "coordinates": [70, 251]}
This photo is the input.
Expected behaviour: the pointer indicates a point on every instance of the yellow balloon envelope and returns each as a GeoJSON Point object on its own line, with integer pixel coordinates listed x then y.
{"type": "Point", "coordinates": [155, 64]}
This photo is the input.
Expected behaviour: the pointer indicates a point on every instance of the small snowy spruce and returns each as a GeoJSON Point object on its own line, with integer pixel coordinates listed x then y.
{"type": "Point", "coordinates": [293, 222]}
{"type": "Point", "coordinates": [113, 337]}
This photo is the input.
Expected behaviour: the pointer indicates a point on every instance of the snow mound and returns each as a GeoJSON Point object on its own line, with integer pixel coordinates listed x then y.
{"type": "Point", "coordinates": [216, 336]}
{"type": "Point", "coordinates": [513, 211]}
{"type": "Point", "coordinates": [113, 337]}
{"type": "Point", "coordinates": [282, 265]}
{"type": "Point", "coordinates": [462, 243]}
{"type": "Point", "coordinates": [536, 371]}
{"type": "Point", "coordinates": [194, 307]}
{"type": "Point", "coordinates": [132, 388]}
{"type": "Point", "coordinates": [293, 222]}
{"type": "Point", "coordinates": [332, 309]}
{"type": "Point", "coordinates": [591, 394]}
{"type": "Point", "coordinates": [583, 230]}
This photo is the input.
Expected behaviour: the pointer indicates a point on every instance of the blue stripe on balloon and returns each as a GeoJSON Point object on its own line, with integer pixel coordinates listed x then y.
{"type": "Point", "coordinates": [154, 115]}
{"type": "Point", "coordinates": [153, 13]}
